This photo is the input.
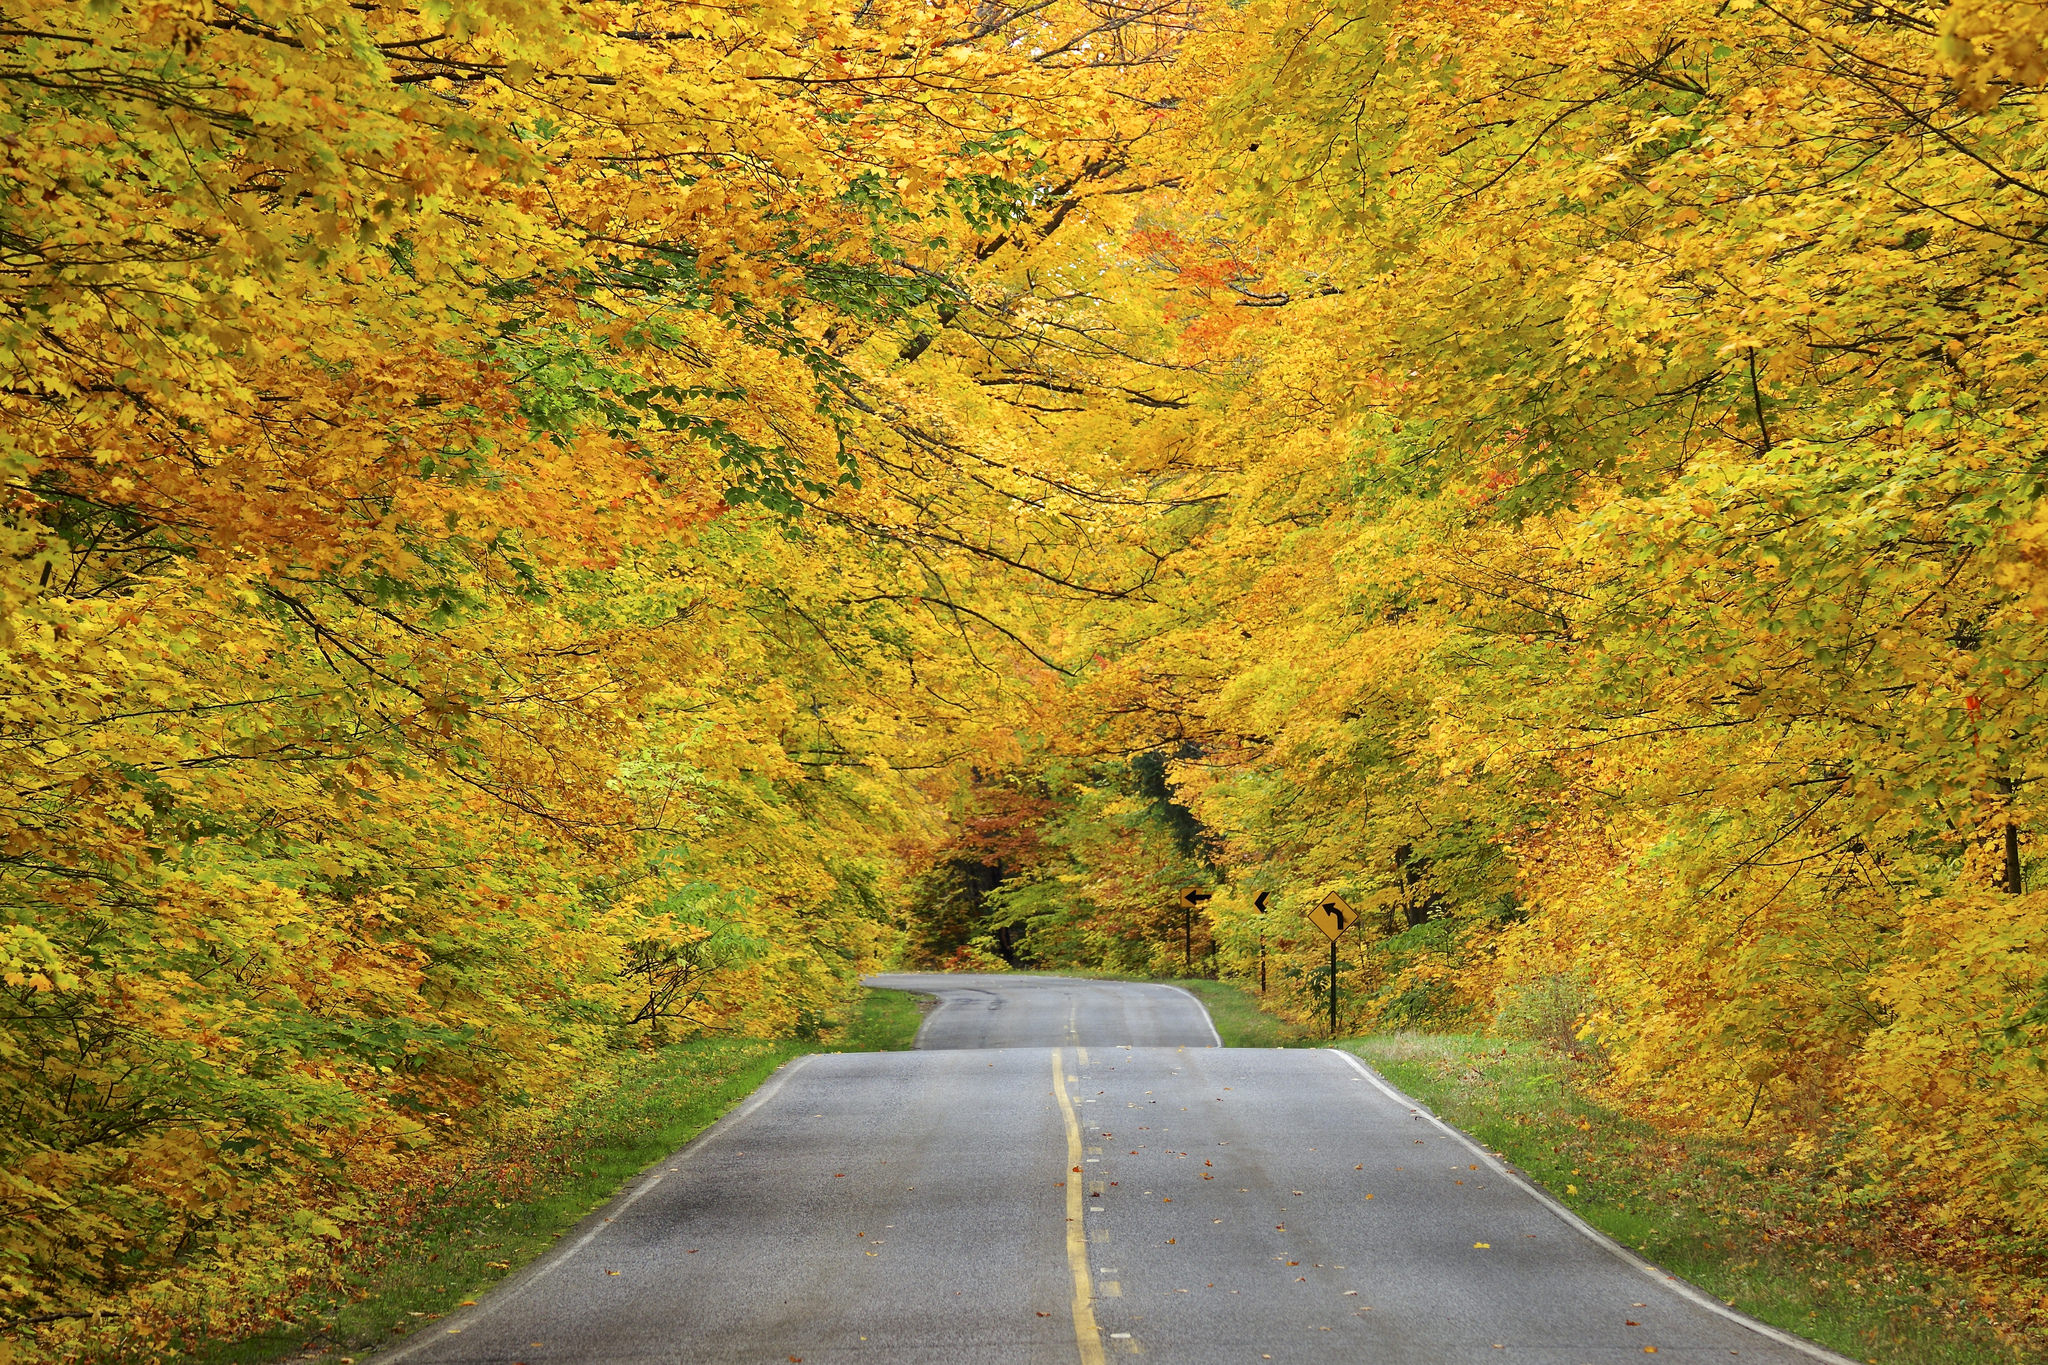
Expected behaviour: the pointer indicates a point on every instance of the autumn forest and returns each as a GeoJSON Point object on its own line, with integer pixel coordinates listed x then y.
{"type": "Point", "coordinates": [533, 532]}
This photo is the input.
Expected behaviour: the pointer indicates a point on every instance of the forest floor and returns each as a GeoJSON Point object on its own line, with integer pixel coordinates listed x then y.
{"type": "Point", "coordinates": [1773, 1237]}
{"type": "Point", "coordinates": [448, 1239]}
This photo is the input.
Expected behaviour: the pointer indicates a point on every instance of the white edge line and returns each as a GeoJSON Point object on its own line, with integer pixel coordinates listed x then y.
{"type": "Point", "coordinates": [1201, 1009]}
{"type": "Point", "coordinates": [598, 1219]}
{"type": "Point", "coordinates": [939, 1004]}
{"type": "Point", "coordinates": [1684, 1289]}
{"type": "Point", "coordinates": [936, 995]}
{"type": "Point", "coordinates": [917, 1038]}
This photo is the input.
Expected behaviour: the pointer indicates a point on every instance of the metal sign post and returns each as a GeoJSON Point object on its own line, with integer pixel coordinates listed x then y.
{"type": "Point", "coordinates": [1191, 897]}
{"type": "Point", "coordinates": [1260, 905]}
{"type": "Point", "coordinates": [1333, 917]}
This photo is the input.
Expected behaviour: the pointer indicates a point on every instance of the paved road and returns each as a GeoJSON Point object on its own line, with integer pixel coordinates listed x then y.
{"type": "Point", "coordinates": [1042, 1011]}
{"type": "Point", "coordinates": [1102, 1182]}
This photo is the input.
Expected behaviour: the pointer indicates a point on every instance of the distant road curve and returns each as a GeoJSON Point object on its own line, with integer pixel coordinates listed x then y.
{"type": "Point", "coordinates": [1051, 1011]}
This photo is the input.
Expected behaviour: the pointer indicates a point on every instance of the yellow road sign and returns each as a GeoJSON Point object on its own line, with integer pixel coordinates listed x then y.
{"type": "Point", "coordinates": [1333, 916]}
{"type": "Point", "coordinates": [1193, 896]}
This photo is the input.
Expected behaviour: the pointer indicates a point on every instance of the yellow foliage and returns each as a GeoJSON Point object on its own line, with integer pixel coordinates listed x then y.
{"type": "Point", "coordinates": [473, 586]}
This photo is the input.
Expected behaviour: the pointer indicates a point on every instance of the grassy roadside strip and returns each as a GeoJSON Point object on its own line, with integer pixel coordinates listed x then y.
{"type": "Point", "coordinates": [1767, 1236]}
{"type": "Point", "coordinates": [449, 1241]}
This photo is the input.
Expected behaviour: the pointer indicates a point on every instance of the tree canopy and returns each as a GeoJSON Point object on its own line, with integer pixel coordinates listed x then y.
{"type": "Point", "coordinates": [533, 531]}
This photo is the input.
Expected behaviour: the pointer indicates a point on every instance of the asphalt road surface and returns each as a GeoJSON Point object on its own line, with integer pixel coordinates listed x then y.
{"type": "Point", "coordinates": [1048, 1011]}
{"type": "Point", "coordinates": [1072, 1171]}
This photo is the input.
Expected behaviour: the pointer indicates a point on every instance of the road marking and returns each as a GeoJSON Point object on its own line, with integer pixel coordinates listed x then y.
{"type": "Point", "coordinates": [1592, 1234]}
{"type": "Point", "coordinates": [1087, 1336]}
{"type": "Point", "coordinates": [551, 1261]}
{"type": "Point", "coordinates": [1200, 1009]}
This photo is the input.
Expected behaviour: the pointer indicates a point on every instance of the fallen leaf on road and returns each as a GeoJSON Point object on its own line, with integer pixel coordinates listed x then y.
{"type": "Point", "coordinates": [1045, 1315]}
{"type": "Point", "coordinates": [1368, 1196]}
{"type": "Point", "coordinates": [836, 1175]}
{"type": "Point", "coordinates": [1482, 1246]}
{"type": "Point", "coordinates": [1630, 1322]}
{"type": "Point", "coordinates": [1359, 1167]}
{"type": "Point", "coordinates": [1349, 1293]}
{"type": "Point", "coordinates": [1171, 1240]}
{"type": "Point", "coordinates": [611, 1272]}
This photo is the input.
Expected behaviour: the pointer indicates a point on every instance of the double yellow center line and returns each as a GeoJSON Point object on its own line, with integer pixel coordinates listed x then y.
{"type": "Point", "coordinates": [1087, 1335]}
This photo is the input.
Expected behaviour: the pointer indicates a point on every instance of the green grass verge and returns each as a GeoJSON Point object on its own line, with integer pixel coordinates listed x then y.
{"type": "Point", "coordinates": [467, 1233]}
{"type": "Point", "coordinates": [882, 1021]}
{"type": "Point", "coordinates": [1768, 1238]}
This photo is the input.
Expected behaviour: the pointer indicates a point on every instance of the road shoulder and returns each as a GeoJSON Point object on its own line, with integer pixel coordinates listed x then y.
{"type": "Point", "coordinates": [1782, 1249]}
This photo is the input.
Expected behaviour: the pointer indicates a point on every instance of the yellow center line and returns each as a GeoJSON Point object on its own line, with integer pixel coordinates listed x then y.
{"type": "Point", "coordinates": [1086, 1334]}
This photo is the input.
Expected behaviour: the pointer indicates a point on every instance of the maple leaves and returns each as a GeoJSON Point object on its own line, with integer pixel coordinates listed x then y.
{"type": "Point", "coordinates": [1600, 540]}
{"type": "Point", "coordinates": [471, 580]}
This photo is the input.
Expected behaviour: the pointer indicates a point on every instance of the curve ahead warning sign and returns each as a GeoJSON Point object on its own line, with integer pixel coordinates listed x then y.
{"type": "Point", "coordinates": [1333, 916]}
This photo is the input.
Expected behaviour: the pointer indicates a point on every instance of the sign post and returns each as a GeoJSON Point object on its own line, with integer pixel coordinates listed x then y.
{"type": "Point", "coordinates": [1260, 905]}
{"type": "Point", "coordinates": [1191, 899]}
{"type": "Point", "coordinates": [1333, 917]}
